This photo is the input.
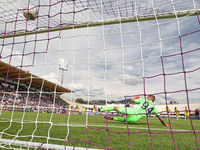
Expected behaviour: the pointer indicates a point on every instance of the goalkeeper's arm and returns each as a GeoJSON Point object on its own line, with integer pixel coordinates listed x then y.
{"type": "Point", "coordinates": [133, 99]}
{"type": "Point", "coordinates": [162, 121]}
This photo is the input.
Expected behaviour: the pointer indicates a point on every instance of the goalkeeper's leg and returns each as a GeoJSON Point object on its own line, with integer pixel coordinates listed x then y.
{"type": "Point", "coordinates": [121, 119]}
{"type": "Point", "coordinates": [130, 119]}
{"type": "Point", "coordinates": [110, 108]}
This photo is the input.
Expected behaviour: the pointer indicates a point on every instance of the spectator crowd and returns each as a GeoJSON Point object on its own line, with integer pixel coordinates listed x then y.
{"type": "Point", "coordinates": [25, 97]}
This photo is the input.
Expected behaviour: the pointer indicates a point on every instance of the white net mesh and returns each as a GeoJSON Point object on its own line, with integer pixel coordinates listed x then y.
{"type": "Point", "coordinates": [148, 47]}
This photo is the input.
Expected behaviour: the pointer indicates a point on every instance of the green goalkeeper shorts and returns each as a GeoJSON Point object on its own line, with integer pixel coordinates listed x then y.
{"type": "Point", "coordinates": [133, 117]}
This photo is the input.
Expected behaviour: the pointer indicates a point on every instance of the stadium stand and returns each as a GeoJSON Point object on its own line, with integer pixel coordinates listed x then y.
{"type": "Point", "coordinates": [18, 97]}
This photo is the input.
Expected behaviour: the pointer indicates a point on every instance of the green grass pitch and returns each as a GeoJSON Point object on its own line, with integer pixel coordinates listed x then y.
{"type": "Point", "coordinates": [120, 141]}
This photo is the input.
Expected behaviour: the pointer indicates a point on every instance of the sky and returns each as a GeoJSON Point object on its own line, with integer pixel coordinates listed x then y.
{"type": "Point", "coordinates": [108, 62]}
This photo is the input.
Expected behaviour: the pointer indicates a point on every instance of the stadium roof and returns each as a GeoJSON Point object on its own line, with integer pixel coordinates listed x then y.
{"type": "Point", "coordinates": [15, 73]}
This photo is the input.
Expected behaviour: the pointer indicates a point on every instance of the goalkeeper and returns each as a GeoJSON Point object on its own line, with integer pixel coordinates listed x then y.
{"type": "Point", "coordinates": [135, 114]}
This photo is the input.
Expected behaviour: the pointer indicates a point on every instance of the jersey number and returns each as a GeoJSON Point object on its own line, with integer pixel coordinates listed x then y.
{"type": "Point", "coordinates": [145, 105]}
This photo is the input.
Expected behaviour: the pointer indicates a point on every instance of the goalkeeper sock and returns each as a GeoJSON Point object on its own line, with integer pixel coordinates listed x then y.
{"type": "Point", "coordinates": [119, 119]}
{"type": "Point", "coordinates": [110, 108]}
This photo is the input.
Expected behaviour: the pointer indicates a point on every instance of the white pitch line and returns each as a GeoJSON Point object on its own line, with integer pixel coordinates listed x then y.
{"type": "Point", "coordinates": [81, 125]}
{"type": "Point", "coordinates": [91, 125]}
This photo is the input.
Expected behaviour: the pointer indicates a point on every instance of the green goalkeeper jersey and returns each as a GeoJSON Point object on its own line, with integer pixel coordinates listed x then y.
{"type": "Point", "coordinates": [145, 107]}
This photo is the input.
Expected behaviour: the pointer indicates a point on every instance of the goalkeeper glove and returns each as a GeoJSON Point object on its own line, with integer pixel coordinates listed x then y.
{"type": "Point", "coordinates": [137, 97]}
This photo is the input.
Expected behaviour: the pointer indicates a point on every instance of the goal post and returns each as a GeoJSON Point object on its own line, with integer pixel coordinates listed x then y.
{"type": "Point", "coordinates": [112, 51]}
{"type": "Point", "coordinates": [39, 145]}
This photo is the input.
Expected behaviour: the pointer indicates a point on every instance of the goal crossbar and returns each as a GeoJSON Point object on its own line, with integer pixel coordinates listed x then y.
{"type": "Point", "coordinates": [105, 22]}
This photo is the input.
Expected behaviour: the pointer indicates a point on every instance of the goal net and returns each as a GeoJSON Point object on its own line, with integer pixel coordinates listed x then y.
{"type": "Point", "coordinates": [97, 51]}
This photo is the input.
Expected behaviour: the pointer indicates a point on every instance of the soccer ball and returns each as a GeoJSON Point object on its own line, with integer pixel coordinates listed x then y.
{"type": "Point", "coordinates": [30, 12]}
